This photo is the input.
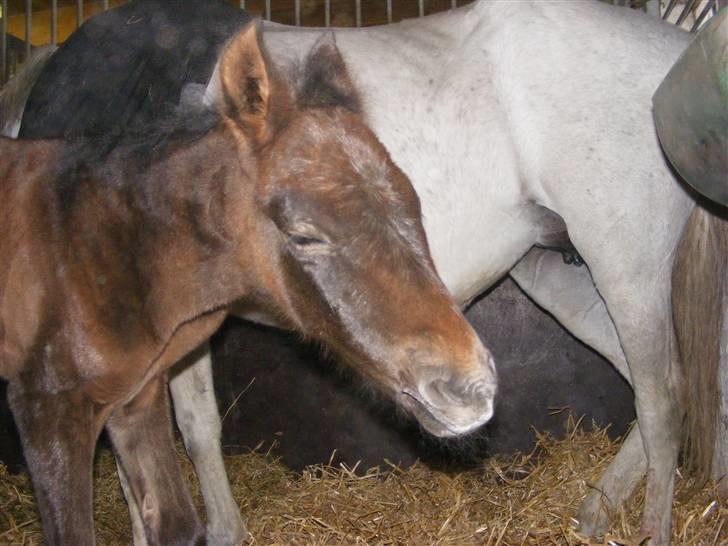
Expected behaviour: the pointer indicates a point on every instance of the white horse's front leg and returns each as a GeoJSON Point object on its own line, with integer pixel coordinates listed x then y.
{"type": "Point", "coordinates": [568, 293]}
{"type": "Point", "coordinates": [198, 419]}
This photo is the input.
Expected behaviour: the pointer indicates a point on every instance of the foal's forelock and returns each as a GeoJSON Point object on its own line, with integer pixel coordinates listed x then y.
{"type": "Point", "coordinates": [372, 193]}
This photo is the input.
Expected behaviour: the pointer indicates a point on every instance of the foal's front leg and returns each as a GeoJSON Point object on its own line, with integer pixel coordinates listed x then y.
{"type": "Point", "coordinates": [198, 420]}
{"type": "Point", "coordinates": [141, 433]}
{"type": "Point", "coordinates": [59, 436]}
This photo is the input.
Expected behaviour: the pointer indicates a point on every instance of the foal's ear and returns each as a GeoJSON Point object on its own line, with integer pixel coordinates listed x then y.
{"type": "Point", "coordinates": [326, 82]}
{"type": "Point", "coordinates": [246, 85]}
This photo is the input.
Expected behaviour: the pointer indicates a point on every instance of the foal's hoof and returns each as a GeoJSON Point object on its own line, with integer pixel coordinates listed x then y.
{"type": "Point", "coordinates": [235, 536]}
{"type": "Point", "coordinates": [593, 515]}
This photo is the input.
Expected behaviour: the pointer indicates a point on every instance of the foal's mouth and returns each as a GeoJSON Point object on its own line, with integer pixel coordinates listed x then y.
{"type": "Point", "coordinates": [434, 420]}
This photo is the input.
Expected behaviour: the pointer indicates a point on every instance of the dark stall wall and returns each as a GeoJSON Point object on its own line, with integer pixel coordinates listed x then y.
{"type": "Point", "coordinates": [10, 452]}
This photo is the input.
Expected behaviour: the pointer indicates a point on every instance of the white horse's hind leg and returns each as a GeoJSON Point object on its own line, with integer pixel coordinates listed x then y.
{"type": "Point", "coordinates": [568, 293]}
{"type": "Point", "coordinates": [615, 486]}
{"type": "Point", "coordinates": [198, 419]}
{"type": "Point", "coordinates": [639, 303]}
{"type": "Point", "coordinates": [137, 524]}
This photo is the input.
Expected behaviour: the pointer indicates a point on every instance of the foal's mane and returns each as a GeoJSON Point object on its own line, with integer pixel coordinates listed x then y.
{"type": "Point", "coordinates": [177, 126]}
{"type": "Point", "coordinates": [321, 82]}
{"type": "Point", "coordinates": [138, 146]}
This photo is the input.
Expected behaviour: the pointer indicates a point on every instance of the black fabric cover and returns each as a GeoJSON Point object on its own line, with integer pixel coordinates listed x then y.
{"type": "Point", "coordinates": [116, 71]}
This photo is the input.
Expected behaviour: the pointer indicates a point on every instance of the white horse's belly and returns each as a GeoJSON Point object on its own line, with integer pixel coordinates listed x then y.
{"type": "Point", "coordinates": [258, 316]}
{"type": "Point", "coordinates": [475, 233]}
{"type": "Point", "coordinates": [574, 81]}
{"type": "Point", "coordinates": [587, 137]}
{"type": "Point", "coordinates": [472, 215]}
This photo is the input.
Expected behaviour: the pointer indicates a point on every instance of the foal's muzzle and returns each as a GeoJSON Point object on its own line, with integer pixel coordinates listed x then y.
{"type": "Point", "coordinates": [453, 405]}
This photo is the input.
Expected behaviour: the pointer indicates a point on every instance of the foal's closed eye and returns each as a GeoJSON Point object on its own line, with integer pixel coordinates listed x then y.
{"type": "Point", "coordinates": [299, 239]}
{"type": "Point", "coordinates": [306, 238]}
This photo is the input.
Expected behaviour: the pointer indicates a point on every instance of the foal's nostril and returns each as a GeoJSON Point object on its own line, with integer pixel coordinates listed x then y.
{"type": "Point", "coordinates": [448, 403]}
{"type": "Point", "coordinates": [439, 392]}
{"type": "Point", "coordinates": [454, 399]}
{"type": "Point", "coordinates": [459, 392]}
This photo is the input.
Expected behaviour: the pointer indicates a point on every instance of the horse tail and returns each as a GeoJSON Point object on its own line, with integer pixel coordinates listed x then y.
{"type": "Point", "coordinates": [15, 93]}
{"type": "Point", "coordinates": [700, 312]}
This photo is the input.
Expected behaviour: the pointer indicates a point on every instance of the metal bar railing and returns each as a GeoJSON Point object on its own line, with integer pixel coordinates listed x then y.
{"type": "Point", "coordinates": [668, 10]}
{"type": "Point", "coordinates": [9, 56]}
{"type": "Point", "coordinates": [28, 25]}
{"type": "Point", "coordinates": [54, 22]}
{"type": "Point", "coordinates": [689, 6]}
{"type": "Point", "coordinates": [4, 45]}
{"type": "Point", "coordinates": [709, 7]}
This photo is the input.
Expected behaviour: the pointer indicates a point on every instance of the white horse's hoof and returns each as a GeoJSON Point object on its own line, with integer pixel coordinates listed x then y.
{"type": "Point", "coordinates": [236, 536]}
{"type": "Point", "coordinates": [593, 515]}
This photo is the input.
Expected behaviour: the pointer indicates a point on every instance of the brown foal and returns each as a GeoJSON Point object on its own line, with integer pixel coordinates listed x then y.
{"type": "Point", "coordinates": [116, 261]}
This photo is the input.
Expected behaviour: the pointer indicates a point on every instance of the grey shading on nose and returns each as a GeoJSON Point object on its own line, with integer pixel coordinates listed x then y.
{"type": "Point", "coordinates": [457, 391]}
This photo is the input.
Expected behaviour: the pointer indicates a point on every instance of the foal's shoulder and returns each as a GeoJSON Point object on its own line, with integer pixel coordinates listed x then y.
{"type": "Point", "coordinates": [24, 159]}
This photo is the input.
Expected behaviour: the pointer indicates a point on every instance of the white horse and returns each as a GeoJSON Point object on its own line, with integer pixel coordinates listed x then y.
{"type": "Point", "coordinates": [524, 125]}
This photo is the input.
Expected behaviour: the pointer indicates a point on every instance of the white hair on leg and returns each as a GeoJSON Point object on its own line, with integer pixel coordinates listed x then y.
{"type": "Point", "coordinates": [137, 524]}
{"type": "Point", "coordinates": [199, 422]}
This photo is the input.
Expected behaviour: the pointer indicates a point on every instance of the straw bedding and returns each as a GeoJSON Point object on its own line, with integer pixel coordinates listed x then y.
{"type": "Point", "coordinates": [528, 499]}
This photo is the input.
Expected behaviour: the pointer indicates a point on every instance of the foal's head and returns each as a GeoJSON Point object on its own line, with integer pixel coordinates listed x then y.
{"type": "Point", "coordinates": [337, 242]}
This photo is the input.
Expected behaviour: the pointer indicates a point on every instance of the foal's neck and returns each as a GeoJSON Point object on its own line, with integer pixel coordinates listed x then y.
{"type": "Point", "coordinates": [170, 237]}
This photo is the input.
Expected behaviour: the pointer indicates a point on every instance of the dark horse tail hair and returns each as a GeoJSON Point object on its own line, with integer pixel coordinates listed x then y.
{"type": "Point", "coordinates": [700, 313]}
{"type": "Point", "coordinates": [15, 93]}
